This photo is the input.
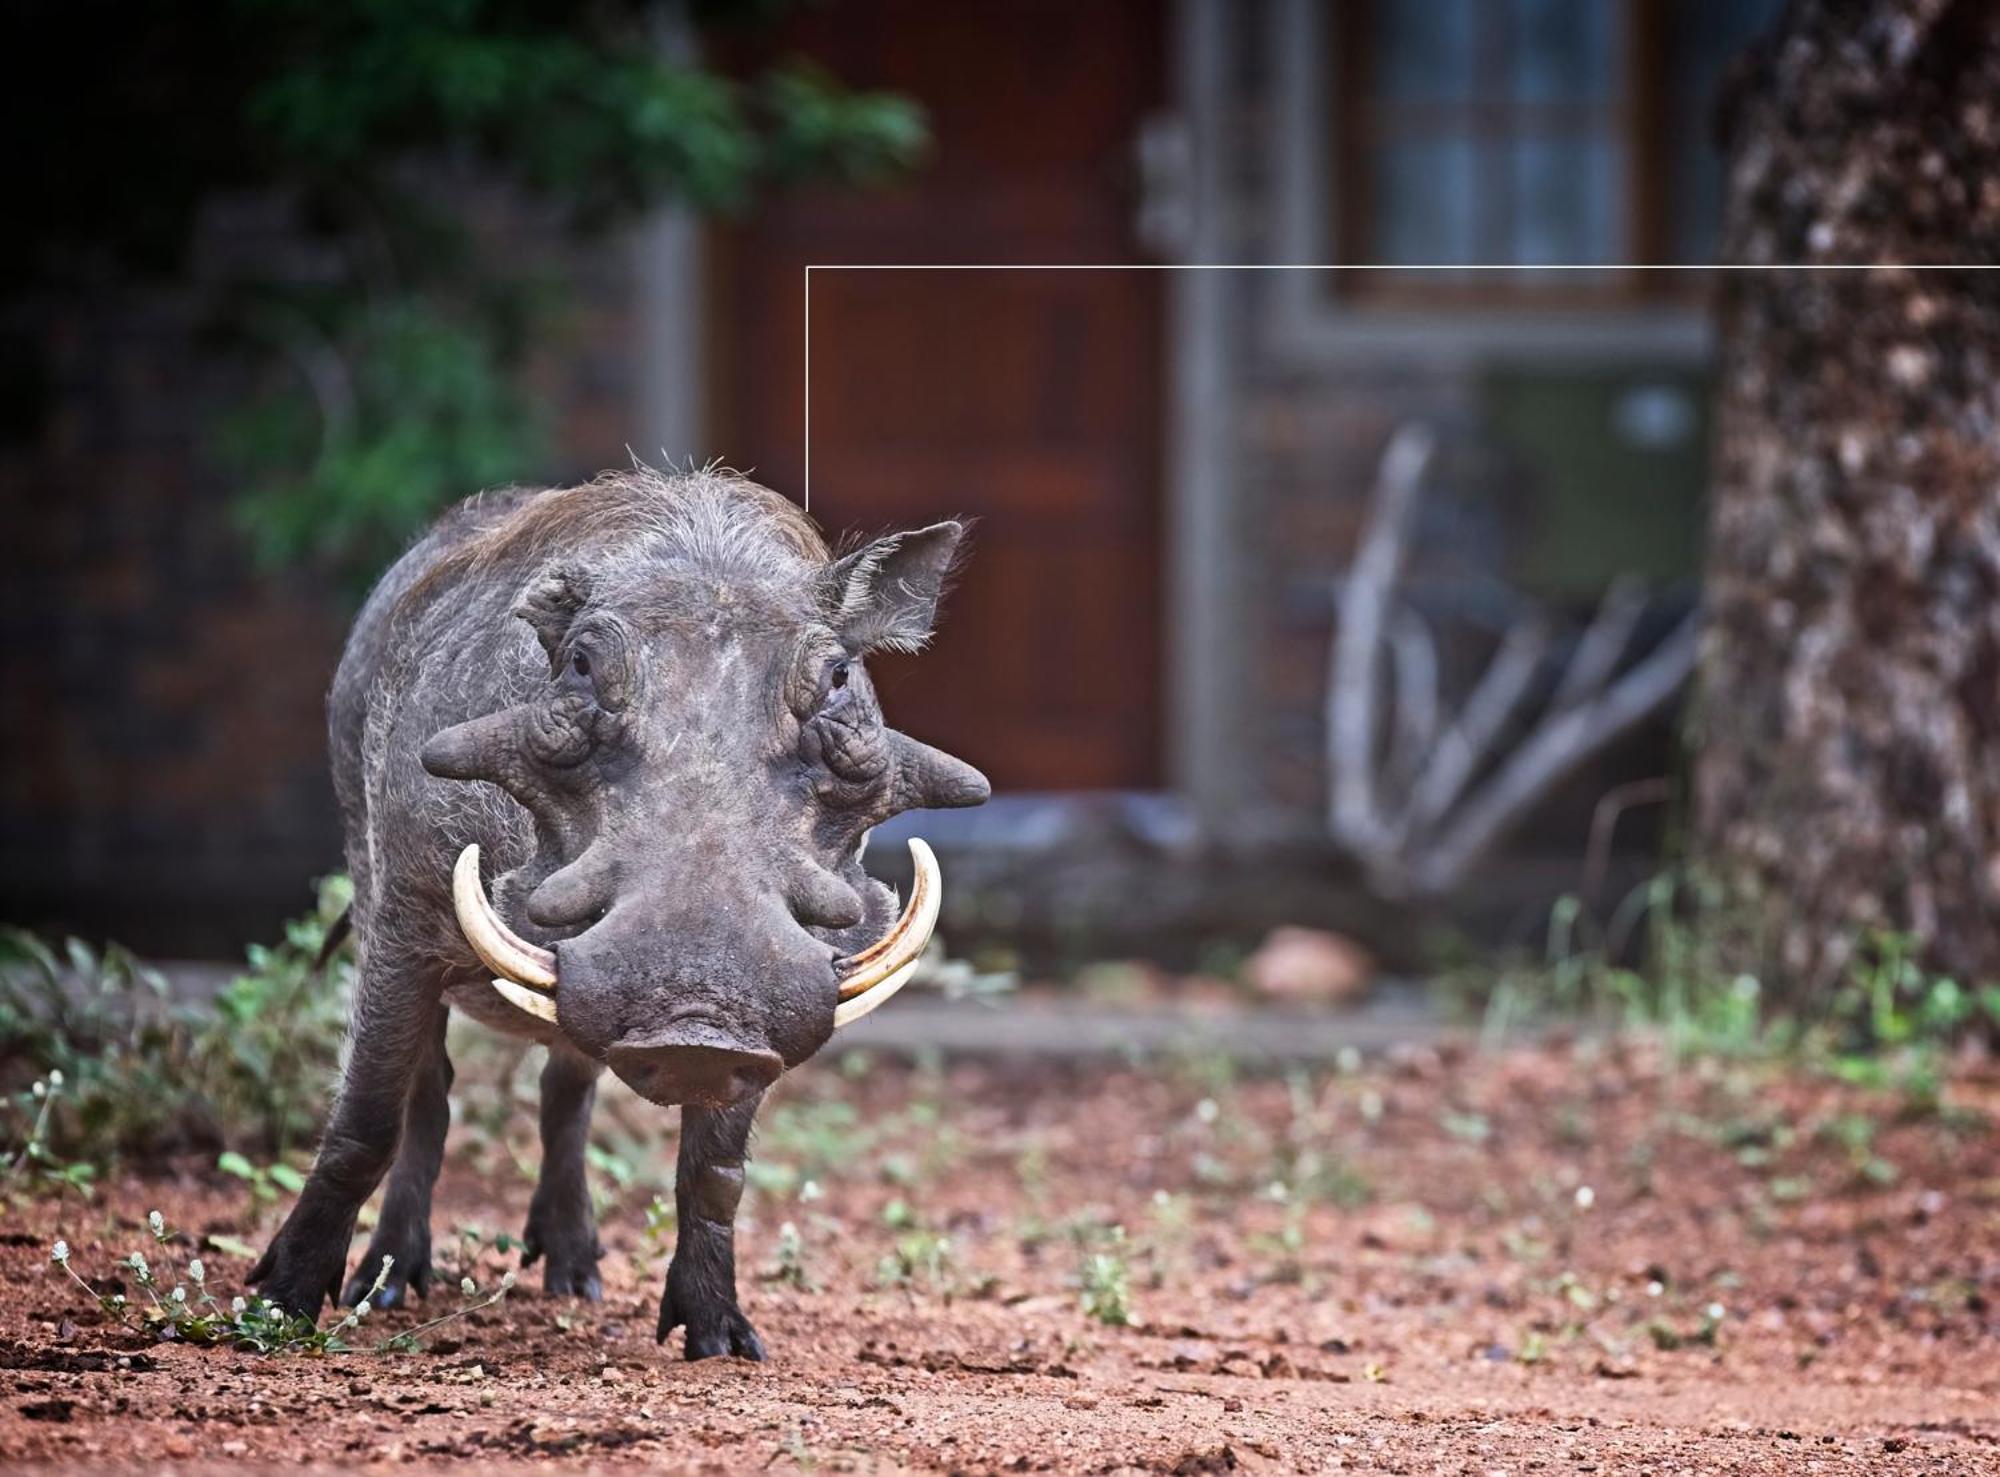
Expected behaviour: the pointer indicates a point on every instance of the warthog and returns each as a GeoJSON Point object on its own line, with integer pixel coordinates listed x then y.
{"type": "Point", "coordinates": [608, 757]}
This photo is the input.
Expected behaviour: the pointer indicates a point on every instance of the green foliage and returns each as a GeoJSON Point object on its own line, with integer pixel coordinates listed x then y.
{"type": "Point", "coordinates": [266, 1181]}
{"type": "Point", "coordinates": [385, 417]}
{"type": "Point", "coordinates": [96, 1031]}
{"type": "Point", "coordinates": [383, 338]}
{"type": "Point", "coordinates": [123, 1069]}
{"type": "Point", "coordinates": [267, 1057]}
{"type": "Point", "coordinates": [1887, 1024]}
{"type": "Point", "coordinates": [185, 1310]}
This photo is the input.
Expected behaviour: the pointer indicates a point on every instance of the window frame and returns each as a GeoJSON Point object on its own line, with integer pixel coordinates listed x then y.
{"type": "Point", "coordinates": [1312, 318]}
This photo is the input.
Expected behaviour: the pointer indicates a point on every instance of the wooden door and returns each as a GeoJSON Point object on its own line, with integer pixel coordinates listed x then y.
{"type": "Point", "coordinates": [1027, 399]}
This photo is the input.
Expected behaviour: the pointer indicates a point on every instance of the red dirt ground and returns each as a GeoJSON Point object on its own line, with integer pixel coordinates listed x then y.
{"type": "Point", "coordinates": [1476, 1265]}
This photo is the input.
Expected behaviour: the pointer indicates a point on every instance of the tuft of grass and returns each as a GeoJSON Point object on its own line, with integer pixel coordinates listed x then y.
{"type": "Point", "coordinates": [1889, 1024]}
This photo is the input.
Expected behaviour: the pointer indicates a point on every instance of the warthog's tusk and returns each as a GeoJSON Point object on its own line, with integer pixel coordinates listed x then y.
{"type": "Point", "coordinates": [849, 1011]}
{"type": "Point", "coordinates": [523, 998]}
{"type": "Point", "coordinates": [884, 967]}
{"type": "Point", "coordinates": [502, 950]}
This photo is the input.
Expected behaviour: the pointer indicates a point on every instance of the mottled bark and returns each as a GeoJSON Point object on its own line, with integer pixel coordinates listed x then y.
{"type": "Point", "coordinates": [1848, 729]}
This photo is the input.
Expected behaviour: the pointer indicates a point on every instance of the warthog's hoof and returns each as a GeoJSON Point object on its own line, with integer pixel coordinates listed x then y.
{"type": "Point", "coordinates": [410, 1272]}
{"type": "Point", "coordinates": [715, 1327]}
{"type": "Point", "coordinates": [564, 1234]}
{"type": "Point", "coordinates": [299, 1271]}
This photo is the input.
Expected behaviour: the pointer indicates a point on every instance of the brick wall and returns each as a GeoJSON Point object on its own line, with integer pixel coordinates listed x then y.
{"type": "Point", "coordinates": [163, 774]}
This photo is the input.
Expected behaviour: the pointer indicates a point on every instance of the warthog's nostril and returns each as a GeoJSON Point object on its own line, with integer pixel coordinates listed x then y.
{"type": "Point", "coordinates": [693, 1061]}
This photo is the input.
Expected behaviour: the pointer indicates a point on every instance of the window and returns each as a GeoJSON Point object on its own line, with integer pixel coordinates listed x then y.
{"type": "Point", "coordinates": [1532, 133]}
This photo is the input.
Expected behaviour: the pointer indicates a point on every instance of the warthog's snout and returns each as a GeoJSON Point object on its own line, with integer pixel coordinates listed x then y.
{"type": "Point", "coordinates": [693, 1061]}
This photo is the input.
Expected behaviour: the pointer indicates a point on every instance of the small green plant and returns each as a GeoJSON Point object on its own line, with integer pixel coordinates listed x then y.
{"type": "Point", "coordinates": [921, 1255]}
{"type": "Point", "coordinates": [790, 1267]}
{"type": "Point", "coordinates": [187, 1311]}
{"type": "Point", "coordinates": [1287, 1245]}
{"type": "Point", "coordinates": [1105, 1278]}
{"type": "Point", "coordinates": [1854, 1134]}
{"type": "Point", "coordinates": [1302, 1162]}
{"type": "Point", "coordinates": [1668, 1338]}
{"type": "Point", "coordinates": [662, 1224]}
{"type": "Point", "coordinates": [266, 1182]}
{"type": "Point", "coordinates": [471, 1300]}
{"type": "Point", "coordinates": [35, 1163]}
{"type": "Point", "coordinates": [1172, 1228]}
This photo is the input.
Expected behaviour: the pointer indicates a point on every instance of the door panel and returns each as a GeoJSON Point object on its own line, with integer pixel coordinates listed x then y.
{"type": "Point", "coordinates": [1028, 400]}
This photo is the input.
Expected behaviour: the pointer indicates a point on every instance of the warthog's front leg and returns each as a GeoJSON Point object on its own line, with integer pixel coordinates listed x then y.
{"type": "Point", "coordinates": [701, 1282]}
{"type": "Point", "coordinates": [396, 1026]}
{"type": "Point", "coordinates": [560, 1224]}
{"type": "Point", "coordinates": [403, 1230]}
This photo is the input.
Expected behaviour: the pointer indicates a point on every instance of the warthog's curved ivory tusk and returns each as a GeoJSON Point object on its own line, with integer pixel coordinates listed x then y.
{"type": "Point", "coordinates": [501, 949]}
{"type": "Point", "coordinates": [849, 1011]}
{"type": "Point", "coordinates": [907, 937]}
{"type": "Point", "coordinates": [523, 998]}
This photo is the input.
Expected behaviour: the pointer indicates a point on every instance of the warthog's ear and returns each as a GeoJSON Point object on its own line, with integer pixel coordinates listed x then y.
{"type": "Point", "coordinates": [550, 604]}
{"type": "Point", "coordinates": [884, 596]}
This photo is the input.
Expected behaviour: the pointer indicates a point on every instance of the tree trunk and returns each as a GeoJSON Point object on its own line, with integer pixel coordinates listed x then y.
{"type": "Point", "coordinates": [1847, 730]}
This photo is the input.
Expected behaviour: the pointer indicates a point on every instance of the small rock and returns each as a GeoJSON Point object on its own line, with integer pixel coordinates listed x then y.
{"type": "Point", "coordinates": [1310, 966]}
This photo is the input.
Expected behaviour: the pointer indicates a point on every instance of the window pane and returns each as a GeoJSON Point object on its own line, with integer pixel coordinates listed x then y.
{"type": "Point", "coordinates": [1424, 49]}
{"type": "Point", "coordinates": [1424, 207]}
{"type": "Point", "coordinates": [1567, 198]}
{"type": "Point", "coordinates": [1562, 50]}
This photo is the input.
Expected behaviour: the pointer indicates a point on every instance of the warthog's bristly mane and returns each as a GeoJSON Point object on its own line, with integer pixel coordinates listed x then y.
{"type": "Point", "coordinates": [713, 520]}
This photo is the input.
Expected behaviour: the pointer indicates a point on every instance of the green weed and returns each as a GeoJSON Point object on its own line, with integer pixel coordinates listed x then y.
{"type": "Point", "coordinates": [34, 1163]}
{"type": "Point", "coordinates": [790, 1266]}
{"type": "Point", "coordinates": [184, 1308]}
{"type": "Point", "coordinates": [921, 1256]}
{"type": "Point", "coordinates": [1104, 1277]}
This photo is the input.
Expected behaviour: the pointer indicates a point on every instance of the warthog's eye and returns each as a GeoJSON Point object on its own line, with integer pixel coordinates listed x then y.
{"type": "Point", "coordinates": [839, 677]}
{"type": "Point", "coordinates": [581, 663]}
